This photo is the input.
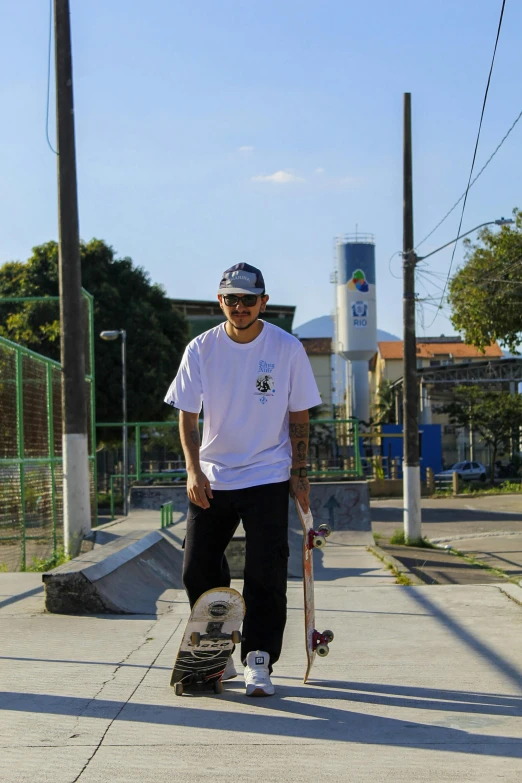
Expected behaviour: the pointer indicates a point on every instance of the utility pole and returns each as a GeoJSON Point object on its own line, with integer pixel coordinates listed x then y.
{"type": "Point", "coordinates": [76, 494]}
{"type": "Point", "coordinates": [411, 469]}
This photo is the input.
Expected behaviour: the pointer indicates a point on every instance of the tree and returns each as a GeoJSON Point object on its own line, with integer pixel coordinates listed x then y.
{"type": "Point", "coordinates": [486, 294]}
{"type": "Point", "coordinates": [493, 415]}
{"type": "Point", "coordinates": [124, 298]}
{"type": "Point", "coordinates": [385, 404]}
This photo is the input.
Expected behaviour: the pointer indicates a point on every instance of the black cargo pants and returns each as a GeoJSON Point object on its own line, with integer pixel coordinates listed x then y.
{"type": "Point", "coordinates": [263, 511]}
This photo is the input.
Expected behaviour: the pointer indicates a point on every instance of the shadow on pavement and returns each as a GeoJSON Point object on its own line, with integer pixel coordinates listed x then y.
{"type": "Point", "coordinates": [494, 658]}
{"type": "Point", "coordinates": [322, 722]}
{"type": "Point", "coordinates": [457, 515]}
{"type": "Point", "coordinates": [20, 596]}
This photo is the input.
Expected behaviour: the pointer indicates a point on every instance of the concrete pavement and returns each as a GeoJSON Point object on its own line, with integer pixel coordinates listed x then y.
{"type": "Point", "coordinates": [488, 528]}
{"type": "Point", "coordinates": [421, 684]}
{"type": "Point", "coordinates": [447, 517]}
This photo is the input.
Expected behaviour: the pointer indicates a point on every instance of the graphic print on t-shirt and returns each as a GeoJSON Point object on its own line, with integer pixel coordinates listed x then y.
{"type": "Point", "coordinates": [265, 382]}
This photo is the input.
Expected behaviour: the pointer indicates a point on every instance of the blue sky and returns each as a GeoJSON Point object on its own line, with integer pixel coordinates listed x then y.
{"type": "Point", "coordinates": [214, 132]}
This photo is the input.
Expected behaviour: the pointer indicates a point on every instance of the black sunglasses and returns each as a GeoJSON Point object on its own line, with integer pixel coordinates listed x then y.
{"type": "Point", "coordinates": [247, 300]}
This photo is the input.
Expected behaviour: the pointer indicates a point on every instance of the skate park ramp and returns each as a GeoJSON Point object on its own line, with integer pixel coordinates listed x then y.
{"type": "Point", "coordinates": [343, 505]}
{"type": "Point", "coordinates": [133, 572]}
{"type": "Point", "coordinates": [127, 575]}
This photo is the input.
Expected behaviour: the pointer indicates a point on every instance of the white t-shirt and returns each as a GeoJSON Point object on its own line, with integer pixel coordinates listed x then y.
{"type": "Point", "coordinates": [247, 390]}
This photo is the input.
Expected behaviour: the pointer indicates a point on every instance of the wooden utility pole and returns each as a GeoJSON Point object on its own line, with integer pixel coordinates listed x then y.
{"type": "Point", "coordinates": [411, 469]}
{"type": "Point", "coordinates": [76, 494]}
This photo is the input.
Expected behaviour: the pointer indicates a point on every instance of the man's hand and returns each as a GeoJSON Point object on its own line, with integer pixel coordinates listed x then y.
{"type": "Point", "coordinates": [198, 488]}
{"type": "Point", "coordinates": [300, 490]}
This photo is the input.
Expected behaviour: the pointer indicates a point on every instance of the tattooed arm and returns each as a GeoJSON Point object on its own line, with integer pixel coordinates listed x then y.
{"type": "Point", "coordinates": [299, 434]}
{"type": "Point", "coordinates": [198, 485]}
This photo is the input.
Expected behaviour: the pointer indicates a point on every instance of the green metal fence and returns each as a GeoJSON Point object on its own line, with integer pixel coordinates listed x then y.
{"type": "Point", "coordinates": [156, 453]}
{"type": "Point", "coordinates": [31, 474]}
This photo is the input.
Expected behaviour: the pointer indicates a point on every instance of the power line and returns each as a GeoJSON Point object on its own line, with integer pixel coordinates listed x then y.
{"type": "Point", "coordinates": [474, 153]}
{"type": "Point", "coordinates": [486, 164]}
{"type": "Point", "coordinates": [49, 76]}
{"type": "Point", "coordinates": [397, 277]}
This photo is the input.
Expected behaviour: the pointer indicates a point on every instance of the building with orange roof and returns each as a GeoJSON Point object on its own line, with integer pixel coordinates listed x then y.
{"type": "Point", "coordinates": [388, 365]}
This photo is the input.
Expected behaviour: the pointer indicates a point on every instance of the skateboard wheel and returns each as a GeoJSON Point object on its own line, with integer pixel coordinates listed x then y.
{"type": "Point", "coordinates": [218, 687]}
{"type": "Point", "coordinates": [322, 650]}
{"type": "Point", "coordinates": [319, 542]}
{"type": "Point", "coordinates": [329, 636]}
{"type": "Point", "coordinates": [236, 637]}
{"type": "Point", "coordinates": [195, 638]}
{"type": "Point", "coordinates": [326, 529]}
{"type": "Point", "coordinates": [178, 689]}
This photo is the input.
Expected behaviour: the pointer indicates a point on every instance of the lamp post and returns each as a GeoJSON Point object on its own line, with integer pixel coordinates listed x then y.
{"type": "Point", "coordinates": [110, 336]}
{"type": "Point", "coordinates": [499, 222]}
{"type": "Point", "coordinates": [411, 488]}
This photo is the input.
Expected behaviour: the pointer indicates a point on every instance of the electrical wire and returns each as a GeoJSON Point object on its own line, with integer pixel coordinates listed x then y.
{"type": "Point", "coordinates": [49, 76]}
{"type": "Point", "coordinates": [455, 205]}
{"type": "Point", "coordinates": [474, 154]}
{"type": "Point", "coordinates": [397, 277]}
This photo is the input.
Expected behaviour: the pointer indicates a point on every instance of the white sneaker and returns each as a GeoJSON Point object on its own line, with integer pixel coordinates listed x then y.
{"type": "Point", "coordinates": [230, 670]}
{"type": "Point", "coordinates": [257, 676]}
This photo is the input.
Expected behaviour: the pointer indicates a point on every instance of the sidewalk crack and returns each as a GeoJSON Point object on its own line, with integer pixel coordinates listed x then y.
{"type": "Point", "coordinates": [124, 704]}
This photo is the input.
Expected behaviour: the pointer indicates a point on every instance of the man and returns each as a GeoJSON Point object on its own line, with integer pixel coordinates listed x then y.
{"type": "Point", "coordinates": [256, 385]}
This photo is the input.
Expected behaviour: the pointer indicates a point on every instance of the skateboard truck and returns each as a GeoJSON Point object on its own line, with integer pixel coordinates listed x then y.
{"type": "Point", "coordinates": [317, 538]}
{"type": "Point", "coordinates": [214, 633]}
{"type": "Point", "coordinates": [320, 642]}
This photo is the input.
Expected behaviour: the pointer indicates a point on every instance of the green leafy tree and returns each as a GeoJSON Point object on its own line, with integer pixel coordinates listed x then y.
{"type": "Point", "coordinates": [485, 295]}
{"type": "Point", "coordinates": [124, 298]}
{"type": "Point", "coordinates": [385, 404]}
{"type": "Point", "coordinates": [495, 416]}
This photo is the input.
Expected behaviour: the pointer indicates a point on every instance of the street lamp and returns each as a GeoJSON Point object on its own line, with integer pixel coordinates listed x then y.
{"type": "Point", "coordinates": [109, 336]}
{"type": "Point", "coordinates": [498, 222]}
{"type": "Point", "coordinates": [411, 489]}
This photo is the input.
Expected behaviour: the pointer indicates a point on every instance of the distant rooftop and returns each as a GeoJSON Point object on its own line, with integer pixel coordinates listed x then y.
{"type": "Point", "coordinates": [204, 314]}
{"type": "Point", "coordinates": [317, 346]}
{"type": "Point", "coordinates": [430, 347]}
{"type": "Point", "coordinates": [442, 339]}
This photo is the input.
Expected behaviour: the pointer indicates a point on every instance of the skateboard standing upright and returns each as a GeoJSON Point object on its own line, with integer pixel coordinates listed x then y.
{"type": "Point", "coordinates": [316, 643]}
{"type": "Point", "coordinates": [210, 635]}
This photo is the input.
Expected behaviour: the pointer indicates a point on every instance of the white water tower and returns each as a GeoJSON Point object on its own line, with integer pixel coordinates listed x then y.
{"type": "Point", "coordinates": [356, 317]}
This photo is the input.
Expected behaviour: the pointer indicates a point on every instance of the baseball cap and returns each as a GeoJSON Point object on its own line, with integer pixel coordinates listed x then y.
{"type": "Point", "coordinates": [242, 279]}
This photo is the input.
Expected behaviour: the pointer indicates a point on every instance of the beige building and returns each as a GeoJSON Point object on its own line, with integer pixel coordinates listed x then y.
{"type": "Point", "coordinates": [319, 352]}
{"type": "Point", "coordinates": [388, 364]}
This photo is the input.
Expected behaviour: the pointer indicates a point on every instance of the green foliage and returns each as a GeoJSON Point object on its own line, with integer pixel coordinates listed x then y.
{"type": "Point", "coordinates": [507, 488]}
{"type": "Point", "coordinates": [385, 407]}
{"type": "Point", "coordinates": [493, 415]}
{"type": "Point", "coordinates": [399, 538]}
{"type": "Point", "coordinates": [378, 470]}
{"type": "Point", "coordinates": [124, 298]}
{"type": "Point", "coordinates": [486, 294]}
{"type": "Point", "coordinates": [46, 564]}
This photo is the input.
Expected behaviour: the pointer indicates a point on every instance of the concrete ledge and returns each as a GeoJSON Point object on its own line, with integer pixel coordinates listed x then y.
{"type": "Point", "coordinates": [121, 577]}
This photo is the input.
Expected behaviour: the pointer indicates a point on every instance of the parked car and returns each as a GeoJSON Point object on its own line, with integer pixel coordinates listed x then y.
{"type": "Point", "coordinates": [468, 471]}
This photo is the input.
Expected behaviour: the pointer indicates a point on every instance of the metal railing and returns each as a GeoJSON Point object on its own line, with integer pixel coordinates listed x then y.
{"type": "Point", "coordinates": [334, 452]}
{"type": "Point", "coordinates": [166, 514]}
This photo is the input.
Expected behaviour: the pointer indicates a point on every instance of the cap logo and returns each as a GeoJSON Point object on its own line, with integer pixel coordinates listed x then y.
{"type": "Point", "coordinates": [244, 279]}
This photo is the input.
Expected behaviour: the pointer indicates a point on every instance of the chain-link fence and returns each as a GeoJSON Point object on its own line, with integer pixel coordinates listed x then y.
{"type": "Point", "coordinates": [31, 477]}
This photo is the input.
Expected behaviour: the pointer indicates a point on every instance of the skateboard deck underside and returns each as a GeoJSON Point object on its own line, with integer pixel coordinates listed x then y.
{"type": "Point", "coordinates": [215, 615]}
